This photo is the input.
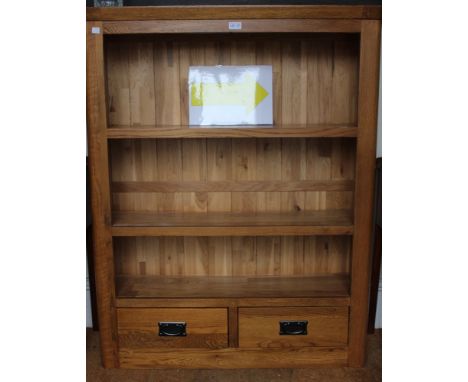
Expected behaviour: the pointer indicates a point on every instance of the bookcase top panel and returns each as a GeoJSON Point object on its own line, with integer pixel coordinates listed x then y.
{"type": "Point", "coordinates": [200, 12]}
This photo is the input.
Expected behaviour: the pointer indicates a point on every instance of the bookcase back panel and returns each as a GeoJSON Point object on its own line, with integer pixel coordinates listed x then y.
{"type": "Point", "coordinates": [232, 175]}
{"type": "Point", "coordinates": [232, 256]}
{"type": "Point", "coordinates": [315, 76]}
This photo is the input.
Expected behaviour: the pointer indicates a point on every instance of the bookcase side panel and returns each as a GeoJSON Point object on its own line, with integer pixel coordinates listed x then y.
{"type": "Point", "coordinates": [364, 191]}
{"type": "Point", "coordinates": [101, 206]}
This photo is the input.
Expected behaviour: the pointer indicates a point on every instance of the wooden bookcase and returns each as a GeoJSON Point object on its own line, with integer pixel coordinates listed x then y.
{"type": "Point", "coordinates": [232, 230]}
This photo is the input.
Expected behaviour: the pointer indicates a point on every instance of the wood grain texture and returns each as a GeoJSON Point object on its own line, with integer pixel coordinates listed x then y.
{"type": "Point", "coordinates": [138, 328]}
{"type": "Point", "coordinates": [235, 219]}
{"type": "Point", "coordinates": [254, 220]}
{"type": "Point", "coordinates": [365, 173]}
{"type": "Point", "coordinates": [223, 256]}
{"type": "Point", "coordinates": [317, 372]}
{"type": "Point", "coordinates": [100, 197]}
{"type": "Point", "coordinates": [233, 322]}
{"type": "Point", "coordinates": [201, 12]}
{"type": "Point", "coordinates": [234, 231]}
{"type": "Point", "coordinates": [149, 302]}
{"type": "Point", "coordinates": [230, 358]}
{"type": "Point", "coordinates": [234, 186]}
{"type": "Point", "coordinates": [327, 222]}
{"type": "Point", "coordinates": [232, 175]}
{"type": "Point", "coordinates": [278, 131]}
{"type": "Point", "coordinates": [141, 81]}
{"type": "Point", "coordinates": [232, 287]}
{"type": "Point", "coordinates": [222, 26]}
{"type": "Point", "coordinates": [259, 327]}
{"type": "Point", "coordinates": [315, 81]}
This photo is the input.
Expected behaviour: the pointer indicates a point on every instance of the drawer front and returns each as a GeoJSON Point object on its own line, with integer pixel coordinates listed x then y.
{"type": "Point", "coordinates": [148, 328]}
{"type": "Point", "coordinates": [293, 327]}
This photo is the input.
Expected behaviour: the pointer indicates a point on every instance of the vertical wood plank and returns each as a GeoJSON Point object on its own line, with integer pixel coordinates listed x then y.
{"type": "Point", "coordinates": [167, 77]}
{"type": "Point", "coordinates": [172, 256]}
{"type": "Point", "coordinates": [194, 168]}
{"type": "Point", "coordinates": [244, 167]}
{"type": "Point", "coordinates": [100, 197]}
{"type": "Point", "coordinates": [123, 169]}
{"type": "Point", "coordinates": [292, 255]}
{"type": "Point", "coordinates": [118, 268]}
{"type": "Point", "coordinates": [139, 199]}
{"type": "Point", "coordinates": [148, 248]}
{"type": "Point", "coordinates": [345, 81]}
{"type": "Point", "coordinates": [118, 83]}
{"type": "Point", "coordinates": [140, 253]}
{"type": "Point", "coordinates": [326, 254]}
{"type": "Point", "coordinates": [184, 63]}
{"type": "Point", "coordinates": [268, 168]}
{"type": "Point", "coordinates": [244, 262]}
{"type": "Point", "coordinates": [169, 163]}
{"type": "Point", "coordinates": [365, 165]}
{"type": "Point", "coordinates": [319, 80]}
{"type": "Point", "coordinates": [310, 254]}
{"type": "Point", "coordinates": [342, 166]}
{"type": "Point", "coordinates": [219, 167]}
{"type": "Point", "coordinates": [316, 254]}
{"type": "Point", "coordinates": [269, 53]}
{"type": "Point", "coordinates": [196, 256]}
{"type": "Point", "coordinates": [141, 70]}
{"type": "Point", "coordinates": [340, 251]}
{"type": "Point", "coordinates": [191, 53]}
{"type": "Point", "coordinates": [129, 257]}
{"type": "Point", "coordinates": [224, 52]}
{"type": "Point", "coordinates": [233, 322]}
{"type": "Point", "coordinates": [242, 52]}
{"type": "Point", "coordinates": [268, 255]}
{"type": "Point", "coordinates": [220, 256]}
{"type": "Point", "coordinates": [149, 160]}
{"type": "Point", "coordinates": [121, 158]}
{"type": "Point", "coordinates": [318, 167]}
{"type": "Point", "coordinates": [294, 82]}
{"type": "Point", "coordinates": [212, 55]}
{"type": "Point", "coordinates": [293, 167]}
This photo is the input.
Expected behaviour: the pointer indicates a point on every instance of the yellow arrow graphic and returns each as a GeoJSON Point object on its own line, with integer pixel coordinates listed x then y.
{"type": "Point", "coordinates": [248, 93]}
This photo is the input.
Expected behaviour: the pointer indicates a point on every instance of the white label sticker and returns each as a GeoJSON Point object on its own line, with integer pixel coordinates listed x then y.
{"type": "Point", "coordinates": [235, 25]}
{"type": "Point", "coordinates": [95, 30]}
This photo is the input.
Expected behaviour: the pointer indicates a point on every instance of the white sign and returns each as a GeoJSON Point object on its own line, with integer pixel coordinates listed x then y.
{"type": "Point", "coordinates": [231, 95]}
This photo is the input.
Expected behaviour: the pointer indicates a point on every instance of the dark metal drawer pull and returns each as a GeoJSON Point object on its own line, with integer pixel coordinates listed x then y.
{"type": "Point", "coordinates": [173, 329]}
{"type": "Point", "coordinates": [293, 328]}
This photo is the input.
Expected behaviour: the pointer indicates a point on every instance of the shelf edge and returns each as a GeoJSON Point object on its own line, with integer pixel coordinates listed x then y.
{"type": "Point", "coordinates": [319, 132]}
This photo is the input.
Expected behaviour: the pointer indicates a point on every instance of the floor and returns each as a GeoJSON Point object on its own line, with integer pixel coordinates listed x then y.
{"type": "Point", "coordinates": [371, 373]}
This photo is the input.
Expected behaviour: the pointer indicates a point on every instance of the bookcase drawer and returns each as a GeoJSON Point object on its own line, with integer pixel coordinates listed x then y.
{"type": "Point", "coordinates": [290, 327]}
{"type": "Point", "coordinates": [172, 328]}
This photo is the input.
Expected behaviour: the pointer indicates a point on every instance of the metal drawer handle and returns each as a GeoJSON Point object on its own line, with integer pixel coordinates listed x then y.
{"type": "Point", "coordinates": [172, 329]}
{"type": "Point", "coordinates": [293, 328]}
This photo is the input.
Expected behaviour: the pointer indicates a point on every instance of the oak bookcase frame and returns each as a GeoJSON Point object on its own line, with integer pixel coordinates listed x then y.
{"type": "Point", "coordinates": [362, 20]}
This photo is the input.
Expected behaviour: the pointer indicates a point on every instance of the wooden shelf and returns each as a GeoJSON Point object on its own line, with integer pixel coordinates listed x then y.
{"type": "Point", "coordinates": [232, 287]}
{"type": "Point", "coordinates": [278, 131]}
{"type": "Point", "coordinates": [327, 222]}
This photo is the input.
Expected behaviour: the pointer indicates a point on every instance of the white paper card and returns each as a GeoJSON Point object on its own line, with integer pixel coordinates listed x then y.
{"type": "Point", "coordinates": [230, 95]}
{"type": "Point", "coordinates": [235, 25]}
